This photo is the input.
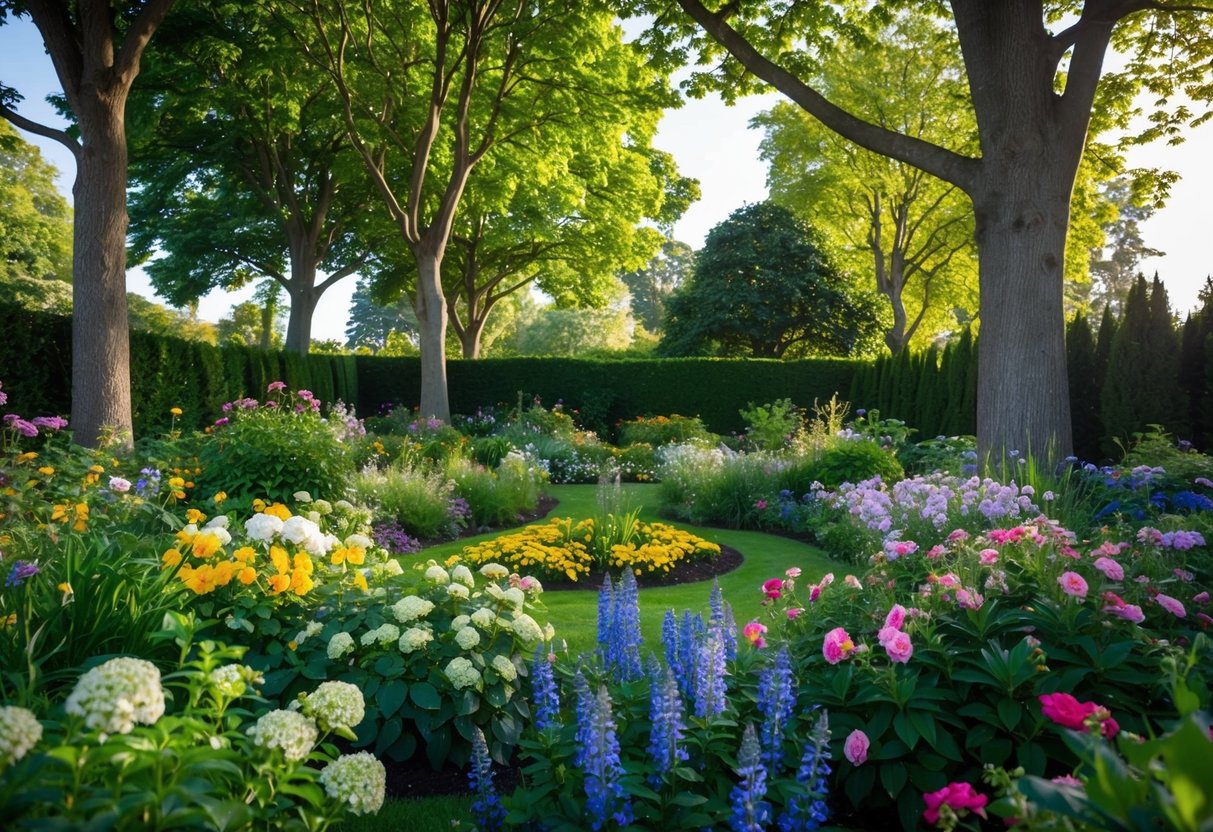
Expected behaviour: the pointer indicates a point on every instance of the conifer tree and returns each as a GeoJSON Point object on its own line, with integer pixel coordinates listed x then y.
{"type": "Point", "coordinates": [1084, 390]}
{"type": "Point", "coordinates": [1195, 369]}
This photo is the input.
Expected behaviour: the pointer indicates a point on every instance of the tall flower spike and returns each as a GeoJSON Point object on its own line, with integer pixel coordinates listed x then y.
{"type": "Point", "coordinates": [710, 690]}
{"type": "Point", "coordinates": [598, 757]}
{"type": "Point", "coordinates": [808, 813]}
{"type": "Point", "coordinates": [487, 811]}
{"type": "Point", "coordinates": [544, 693]}
{"type": "Point", "coordinates": [729, 628]}
{"type": "Point", "coordinates": [776, 702]}
{"type": "Point", "coordinates": [622, 658]}
{"type": "Point", "coordinates": [585, 706]}
{"type": "Point", "coordinates": [750, 812]}
{"type": "Point", "coordinates": [690, 634]}
{"type": "Point", "coordinates": [606, 598]}
{"type": "Point", "coordinates": [669, 640]}
{"type": "Point", "coordinates": [666, 715]}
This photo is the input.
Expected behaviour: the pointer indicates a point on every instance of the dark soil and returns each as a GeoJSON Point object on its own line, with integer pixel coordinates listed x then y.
{"type": "Point", "coordinates": [686, 572]}
{"type": "Point", "coordinates": [414, 778]}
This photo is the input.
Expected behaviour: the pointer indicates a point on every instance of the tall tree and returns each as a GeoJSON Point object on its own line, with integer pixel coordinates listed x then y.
{"type": "Point", "coordinates": [96, 47]}
{"type": "Point", "coordinates": [1115, 263]}
{"type": "Point", "coordinates": [651, 285]}
{"type": "Point", "coordinates": [1033, 90]}
{"type": "Point", "coordinates": [35, 219]}
{"type": "Point", "coordinates": [372, 322]}
{"type": "Point", "coordinates": [763, 287]}
{"type": "Point", "coordinates": [1084, 388]}
{"type": "Point", "coordinates": [242, 170]}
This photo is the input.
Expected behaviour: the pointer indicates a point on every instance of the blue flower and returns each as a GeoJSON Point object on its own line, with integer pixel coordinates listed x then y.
{"type": "Point", "coordinates": [585, 707]}
{"type": "Point", "coordinates": [666, 714]}
{"type": "Point", "coordinates": [606, 597]}
{"type": "Point", "coordinates": [620, 644]}
{"type": "Point", "coordinates": [669, 640]}
{"type": "Point", "coordinates": [811, 812]}
{"type": "Point", "coordinates": [598, 757]}
{"type": "Point", "coordinates": [690, 632]}
{"type": "Point", "coordinates": [776, 702]}
{"type": "Point", "coordinates": [487, 811]}
{"type": "Point", "coordinates": [545, 695]}
{"type": "Point", "coordinates": [22, 569]}
{"type": "Point", "coordinates": [721, 618]}
{"type": "Point", "coordinates": [750, 812]}
{"type": "Point", "coordinates": [709, 690]}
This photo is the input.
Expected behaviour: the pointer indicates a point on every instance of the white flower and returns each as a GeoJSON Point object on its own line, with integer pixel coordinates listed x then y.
{"type": "Point", "coordinates": [505, 668]}
{"type": "Point", "coordinates": [341, 644]}
{"type": "Point", "coordinates": [343, 506]}
{"type": "Point", "coordinates": [221, 533]}
{"type": "Point", "coordinates": [411, 607]}
{"type": "Point", "coordinates": [437, 574]}
{"type": "Point", "coordinates": [359, 540]}
{"type": "Point", "coordinates": [549, 632]}
{"type": "Point", "coordinates": [119, 485]}
{"type": "Point", "coordinates": [385, 633]}
{"type": "Point", "coordinates": [117, 694]}
{"type": "Point", "coordinates": [299, 530]}
{"type": "Point", "coordinates": [357, 781]}
{"type": "Point", "coordinates": [458, 591]}
{"type": "Point", "coordinates": [467, 638]}
{"type": "Point", "coordinates": [323, 506]}
{"type": "Point", "coordinates": [20, 731]}
{"type": "Point", "coordinates": [313, 628]}
{"type": "Point", "coordinates": [263, 527]}
{"type": "Point", "coordinates": [293, 732]}
{"type": "Point", "coordinates": [393, 568]}
{"type": "Point", "coordinates": [526, 629]}
{"type": "Point", "coordinates": [459, 622]}
{"type": "Point", "coordinates": [220, 521]}
{"type": "Point", "coordinates": [335, 704]}
{"type": "Point", "coordinates": [515, 598]}
{"type": "Point", "coordinates": [484, 618]}
{"type": "Point", "coordinates": [495, 592]}
{"type": "Point", "coordinates": [462, 675]}
{"type": "Point", "coordinates": [462, 575]}
{"type": "Point", "coordinates": [302, 497]}
{"type": "Point", "coordinates": [233, 680]}
{"type": "Point", "coordinates": [415, 638]}
{"type": "Point", "coordinates": [493, 571]}
{"type": "Point", "coordinates": [314, 516]}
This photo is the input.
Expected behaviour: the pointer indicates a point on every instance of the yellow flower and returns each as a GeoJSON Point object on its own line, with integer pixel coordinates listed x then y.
{"type": "Point", "coordinates": [360, 582]}
{"type": "Point", "coordinates": [96, 469]}
{"type": "Point", "coordinates": [301, 582]}
{"type": "Point", "coordinates": [353, 555]}
{"type": "Point", "coordinates": [280, 559]}
{"type": "Point", "coordinates": [279, 583]}
{"type": "Point", "coordinates": [245, 554]}
{"type": "Point", "coordinates": [176, 482]}
{"type": "Point", "coordinates": [27, 456]}
{"type": "Point", "coordinates": [258, 505]}
{"type": "Point", "coordinates": [81, 517]}
{"type": "Point", "coordinates": [9, 620]}
{"type": "Point", "coordinates": [225, 570]}
{"type": "Point", "coordinates": [219, 497]}
{"type": "Point", "coordinates": [194, 516]}
{"type": "Point", "coordinates": [303, 563]}
{"type": "Point", "coordinates": [201, 580]}
{"type": "Point", "coordinates": [171, 558]}
{"type": "Point", "coordinates": [293, 645]}
{"type": "Point", "coordinates": [278, 510]}
{"type": "Point", "coordinates": [176, 411]}
{"type": "Point", "coordinates": [247, 575]}
{"type": "Point", "coordinates": [46, 471]}
{"type": "Point", "coordinates": [59, 514]}
{"type": "Point", "coordinates": [205, 545]}
{"type": "Point", "coordinates": [66, 589]}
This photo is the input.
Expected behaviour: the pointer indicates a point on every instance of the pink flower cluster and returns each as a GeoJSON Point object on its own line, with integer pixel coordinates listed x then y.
{"type": "Point", "coordinates": [837, 646]}
{"type": "Point", "coordinates": [893, 639]}
{"type": "Point", "coordinates": [1068, 712]}
{"type": "Point", "coordinates": [961, 798]}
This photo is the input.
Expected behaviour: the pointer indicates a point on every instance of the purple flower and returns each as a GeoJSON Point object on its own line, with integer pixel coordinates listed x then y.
{"type": "Point", "coordinates": [667, 716]}
{"type": "Point", "coordinates": [14, 422]}
{"type": "Point", "coordinates": [275, 386]}
{"type": "Point", "coordinates": [21, 570]}
{"type": "Point", "coordinates": [3, 396]}
{"type": "Point", "coordinates": [709, 689]}
{"type": "Point", "coordinates": [51, 423]}
{"type": "Point", "coordinates": [776, 702]}
{"type": "Point", "coordinates": [621, 642]}
{"type": "Point", "coordinates": [392, 536]}
{"type": "Point", "coordinates": [545, 695]}
{"type": "Point", "coordinates": [811, 812]}
{"type": "Point", "coordinates": [750, 812]}
{"type": "Point", "coordinates": [487, 810]}
{"type": "Point", "coordinates": [598, 757]}
{"type": "Point", "coordinates": [722, 617]}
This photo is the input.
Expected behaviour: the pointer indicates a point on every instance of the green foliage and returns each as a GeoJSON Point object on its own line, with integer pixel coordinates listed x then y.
{"type": "Point", "coordinates": [417, 496]}
{"type": "Point", "coordinates": [1087, 427]}
{"type": "Point", "coordinates": [770, 427]}
{"type": "Point", "coordinates": [854, 462]}
{"type": "Point", "coordinates": [35, 219]}
{"type": "Point", "coordinates": [662, 430]}
{"type": "Point", "coordinates": [650, 287]}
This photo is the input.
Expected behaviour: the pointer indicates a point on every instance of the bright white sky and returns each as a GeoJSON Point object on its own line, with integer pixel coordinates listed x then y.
{"type": "Point", "coordinates": [711, 142]}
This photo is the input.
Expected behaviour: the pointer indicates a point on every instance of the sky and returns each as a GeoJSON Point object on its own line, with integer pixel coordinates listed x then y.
{"type": "Point", "coordinates": [711, 142]}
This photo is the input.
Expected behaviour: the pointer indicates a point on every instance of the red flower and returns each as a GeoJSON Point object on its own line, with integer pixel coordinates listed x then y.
{"type": "Point", "coordinates": [1065, 710]}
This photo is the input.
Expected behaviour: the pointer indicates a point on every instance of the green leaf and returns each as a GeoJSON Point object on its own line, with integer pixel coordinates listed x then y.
{"type": "Point", "coordinates": [1010, 712]}
{"type": "Point", "coordinates": [389, 732]}
{"type": "Point", "coordinates": [424, 695]}
{"type": "Point", "coordinates": [390, 697]}
{"type": "Point", "coordinates": [905, 730]}
{"type": "Point", "coordinates": [893, 778]}
{"type": "Point", "coordinates": [390, 666]}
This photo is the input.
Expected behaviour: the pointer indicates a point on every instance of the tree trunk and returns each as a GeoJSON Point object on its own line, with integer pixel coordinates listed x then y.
{"type": "Point", "coordinates": [431, 311]}
{"type": "Point", "coordinates": [299, 324]}
{"type": "Point", "coordinates": [469, 339]}
{"type": "Point", "coordinates": [895, 338]}
{"type": "Point", "coordinates": [101, 379]}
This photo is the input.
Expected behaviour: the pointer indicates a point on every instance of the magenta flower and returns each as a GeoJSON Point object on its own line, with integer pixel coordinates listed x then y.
{"type": "Point", "coordinates": [773, 588]}
{"type": "Point", "coordinates": [1073, 584]}
{"type": "Point", "coordinates": [969, 600]}
{"type": "Point", "coordinates": [896, 617]}
{"type": "Point", "coordinates": [754, 632]}
{"type": "Point", "coordinates": [1201, 598]}
{"type": "Point", "coordinates": [837, 646]}
{"type": "Point", "coordinates": [988, 557]}
{"type": "Point", "coordinates": [794, 613]}
{"type": "Point", "coordinates": [1129, 612]}
{"type": "Point", "coordinates": [761, 505]}
{"type": "Point", "coordinates": [275, 386]}
{"type": "Point", "coordinates": [1171, 605]}
{"type": "Point", "coordinates": [1112, 570]}
{"type": "Point", "coordinates": [855, 748]}
{"type": "Point", "coordinates": [962, 798]}
{"type": "Point", "coordinates": [51, 423]}
{"type": "Point", "coordinates": [793, 572]}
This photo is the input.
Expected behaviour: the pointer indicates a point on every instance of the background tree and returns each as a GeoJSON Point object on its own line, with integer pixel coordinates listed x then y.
{"type": "Point", "coordinates": [148, 316]}
{"type": "Point", "coordinates": [96, 47]}
{"type": "Point", "coordinates": [763, 287]}
{"type": "Point", "coordinates": [372, 322]}
{"type": "Point", "coordinates": [1115, 263]}
{"type": "Point", "coordinates": [650, 286]}
{"type": "Point", "coordinates": [1085, 387]}
{"type": "Point", "coordinates": [35, 219]}
{"type": "Point", "coordinates": [1033, 89]}
{"type": "Point", "coordinates": [549, 330]}
{"type": "Point", "coordinates": [242, 170]}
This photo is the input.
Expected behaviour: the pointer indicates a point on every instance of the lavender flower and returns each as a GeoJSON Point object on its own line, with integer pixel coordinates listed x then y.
{"type": "Point", "coordinates": [487, 811]}
{"type": "Point", "coordinates": [690, 633]}
{"type": "Point", "coordinates": [619, 637]}
{"type": "Point", "coordinates": [51, 423]}
{"type": "Point", "coordinates": [545, 696]}
{"type": "Point", "coordinates": [585, 707]}
{"type": "Point", "coordinates": [776, 701]}
{"type": "Point", "coordinates": [21, 570]}
{"type": "Point", "coordinates": [598, 757]}
{"type": "Point", "coordinates": [391, 536]}
{"type": "Point", "coordinates": [669, 640]}
{"type": "Point", "coordinates": [750, 812]}
{"type": "Point", "coordinates": [721, 617]}
{"type": "Point", "coordinates": [148, 484]}
{"type": "Point", "coordinates": [15, 423]}
{"type": "Point", "coordinates": [808, 813]}
{"type": "Point", "coordinates": [606, 597]}
{"type": "Point", "coordinates": [709, 690]}
{"type": "Point", "coordinates": [666, 714]}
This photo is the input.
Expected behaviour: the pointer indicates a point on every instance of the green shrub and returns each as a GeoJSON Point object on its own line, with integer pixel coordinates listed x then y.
{"type": "Point", "coordinates": [662, 430]}
{"type": "Point", "coordinates": [772, 426]}
{"type": "Point", "coordinates": [855, 461]}
{"type": "Point", "coordinates": [417, 496]}
{"type": "Point", "coordinates": [490, 450]}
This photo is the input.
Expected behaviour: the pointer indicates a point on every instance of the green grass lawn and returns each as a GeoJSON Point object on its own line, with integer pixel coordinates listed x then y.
{"type": "Point", "coordinates": [574, 613]}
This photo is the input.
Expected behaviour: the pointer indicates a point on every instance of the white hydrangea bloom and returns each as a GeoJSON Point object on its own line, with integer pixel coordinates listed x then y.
{"type": "Point", "coordinates": [314, 516]}
{"type": "Point", "coordinates": [359, 540]}
{"type": "Point", "coordinates": [117, 694]}
{"type": "Point", "coordinates": [549, 632]}
{"type": "Point", "coordinates": [340, 645]}
{"type": "Point", "coordinates": [458, 591]}
{"type": "Point", "coordinates": [415, 638]}
{"type": "Point", "coordinates": [462, 575]}
{"type": "Point", "coordinates": [233, 680]}
{"type": "Point", "coordinates": [385, 633]}
{"type": "Point", "coordinates": [393, 568]}
{"type": "Point", "coordinates": [494, 571]}
{"type": "Point", "coordinates": [467, 638]}
{"type": "Point", "coordinates": [302, 497]}
{"type": "Point", "coordinates": [437, 574]}
{"type": "Point", "coordinates": [526, 629]}
{"type": "Point", "coordinates": [495, 592]}
{"type": "Point", "coordinates": [263, 527]}
{"type": "Point", "coordinates": [505, 668]}
{"type": "Point", "coordinates": [343, 506]}
{"type": "Point", "coordinates": [357, 781]}
{"type": "Point", "coordinates": [219, 521]}
{"type": "Point", "coordinates": [301, 531]}
{"type": "Point", "coordinates": [335, 704]}
{"type": "Point", "coordinates": [20, 731]}
{"type": "Point", "coordinates": [220, 533]}
{"type": "Point", "coordinates": [462, 674]}
{"type": "Point", "coordinates": [484, 618]}
{"type": "Point", "coordinates": [313, 628]}
{"type": "Point", "coordinates": [290, 731]}
{"type": "Point", "coordinates": [515, 598]}
{"type": "Point", "coordinates": [411, 607]}
{"type": "Point", "coordinates": [323, 506]}
{"type": "Point", "coordinates": [459, 622]}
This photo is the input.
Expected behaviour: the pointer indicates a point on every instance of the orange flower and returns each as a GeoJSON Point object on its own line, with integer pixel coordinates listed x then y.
{"type": "Point", "coordinates": [279, 583]}
{"type": "Point", "coordinates": [225, 570]}
{"type": "Point", "coordinates": [194, 516]}
{"type": "Point", "coordinates": [301, 582]}
{"type": "Point", "coordinates": [205, 545]}
{"type": "Point", "coordinates": [201, 580]}
{"type": "Point", "coordinates": [246, 575]}
{"type": "Point", "coordinates": [303, 563]}
{"type": "Point", "coordinates": [171, 558]}
{"type": "Point", "coordinates": [278, 510]}
{"type": "Point", "coordinates": [245, 554]}
{"type": "Point", "coordinates": [280, 559]}
{"type": "Point", "coordinates": [81, 517]}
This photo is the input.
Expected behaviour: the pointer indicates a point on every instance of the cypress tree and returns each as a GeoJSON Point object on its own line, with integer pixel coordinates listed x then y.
{"type": "Point", "coordinates": [1171, 406]}
{"type": "Point", "coordinates": [968, 402]}
{"type": "Point", "coordinates": [1108, 324]}
{"type": "Point", "coordinates": [957, 371]}
{"type": "Point", "coordinates": [925, 401]}
{"type": "Point", "coordinates": [903, 392]}
{"type": "Point", "coordinates": [884, 399]}
{"type": "Point", "coordinates": [1194, 368]}
{"type": "Point", "coordinates": [1084, 392]}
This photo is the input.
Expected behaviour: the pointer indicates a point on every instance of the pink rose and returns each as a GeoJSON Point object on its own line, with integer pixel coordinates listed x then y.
{"type": "Point", "coordinates": [961, 797]}
{"type": "Point", "coordinates": [1171, 605]}
{"type": "Point", "coordinates": [855, 749]}
{"type": "Point", "coordinates": [969, 600]}
{"type": "Point", "coordinates": [754, 632]}
{"type": "Point", "coordinates": [896, 617]}
{"type": "Point", "coordinates": [837, 646]}
{"type": "Point", "coordinates": [794, 572]}
{"type": "Point", "coordinates": [1073, 584]}
{"type": "Point", "coordinates": [988, 557]}
{"type": "Point", "coordinates": [1111, 569]}
{"type": "Point", "coordinates": [1129, 612]}
{"type": "Point", "coordinates": [1065, 710]}
{"type": "Point", "coordinates": [899, 647]}
{"type": "Point", "coordinates": [773, 588]}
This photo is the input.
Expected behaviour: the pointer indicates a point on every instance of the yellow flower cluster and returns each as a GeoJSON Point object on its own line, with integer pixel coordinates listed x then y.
{"type": "Point", "coordinates": [565, 550]}
{"type": "Point", "coordinates": [77, 515]}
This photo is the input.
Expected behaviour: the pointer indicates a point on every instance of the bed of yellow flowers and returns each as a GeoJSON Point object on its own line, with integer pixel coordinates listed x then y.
{"type": "Point", "coordinates": [565, 550]}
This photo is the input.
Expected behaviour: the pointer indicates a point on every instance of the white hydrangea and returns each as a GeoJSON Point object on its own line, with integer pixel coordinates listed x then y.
{"type": "Point", "coordinates": [457, 591]}
{"type": "Point", "coordinates": [341, 644]}
{"type": "Point", "coordinates": [549, 632]}
{"type": "Point", "coordinates": [302, 497]}
{"type": "Point", "coordinates": [467, 638]}
{"type": "Point", "coordinates": [263, 527]}
{"type": "Point", "coordinates": [526, 629]}
{"type": "Point", "coordinates": [415, 638]}
{"type": "Point", "coordinates": [20, 731]}
{"type": "Point", "coordinates": [293, 732]}
{"type": "Point", "coordinates": [393, 568]}
{"type": "Point", "coordinates": [343, 506]}
{"type": "Point", "coordinates": [189, 530]}
{"type": "Point", "coordinates": [359, 540]}
{"type": "Point", "coordinates": [505, 668]}
{"type": "Point", "coordinates": [462, 674]}
{"type": "Point", "coordinates": [323, 506]}
{"type": "Point", "coordinates": [306, 533]}
{"type": "Point", "coordinates": [314, 516]}
{"type": "Point", "coordinates": [484, 618]}
{"type": "Point", "coordinates": [312, 629]}
{"type": "Point", "coordinates": [437, 574]}
{"type": "Point", "coordinates": [493, 571]}
{"type": "Point", "coordinates": [117, 694]}
{"type": "Point", "coordinates": [357, 781]}
{"type": "Point", "coordinates": [385, 633]}
{"type": "Point", "coordinates": [515, 598]}
{"type": "Point", "coordinates": [459, 622]}
{"type": "Point", "coordinates": [220, 533]}
{"type": "Point", "coordinates": [219, 521]}
{"type": "Point", "coordinates": [495, 592]}
{"type": "Point", "coordinates": [232, 680]}
{"type": "Point", "coordinates": [462, 575]}
{"type": "Point", "coordinates": [411, 607]}
{"type": "Point", "coordinates": [335, 704]}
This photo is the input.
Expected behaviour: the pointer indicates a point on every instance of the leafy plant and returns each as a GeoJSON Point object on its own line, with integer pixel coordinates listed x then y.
{"type": "Point", "coordinates": [772, 426]}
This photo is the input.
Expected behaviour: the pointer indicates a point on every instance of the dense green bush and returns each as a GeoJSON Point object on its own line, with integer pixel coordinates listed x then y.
{"type": "Point", "coordinates": [855, 461]}
{"type": "Point", "coordinates": [662, 430]}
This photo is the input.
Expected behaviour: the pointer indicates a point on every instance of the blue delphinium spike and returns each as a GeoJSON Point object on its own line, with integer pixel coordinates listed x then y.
{"type": "Point", "coordinates": [585, 705]}
{"type": "Point", "coordinates": [710, 690]}
{"type": "Point", "coordinates": [804, 814]}
{"type": "Point", "coordinates": [606, 598]}
{"type": "Point", "coordinates": [690, 632]}
{"type": "Point", "coordinates": [729, 628]}
{"type": "Point", "coordinates": [666, 715]}
{"type": "Point", "coordinates": [669, 640]}
{"type": "Point", "coordinates": [545, 695]}
{"type": "Point", "coordinates": [776, 702]}
{"type": "Point", "coordinates": [721, 617]}
{"type": "Point", "coordinates": [487, 811]}
{"type": "Point", "coordinates": [750, 812]}
{"type": "Point", "coordinates": [598, 756]}
{"type": "Point", "coordinates": [623, 640]}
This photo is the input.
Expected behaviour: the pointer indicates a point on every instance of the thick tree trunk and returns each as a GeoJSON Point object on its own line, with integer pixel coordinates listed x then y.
{"type": "Point", "coordinates": [431, 311]}
{"type": "Point", "coordinates": [303, 292]}
{"type": "Point", "coordinates": [895, 338]}
{"type": "Point", "coordinates": [469, 338]}
{"type": "Point", "coordinates": [101, 380]}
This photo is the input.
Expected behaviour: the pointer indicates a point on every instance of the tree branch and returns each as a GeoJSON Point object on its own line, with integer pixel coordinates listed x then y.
{"type": "Point", "coordinates": [34, 127]}
{"type": "Point", "coordinates": [126, 65]}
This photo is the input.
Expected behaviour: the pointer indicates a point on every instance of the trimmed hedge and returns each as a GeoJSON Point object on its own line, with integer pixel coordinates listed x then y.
{"type": "Point", "coordinates": [606, 392]}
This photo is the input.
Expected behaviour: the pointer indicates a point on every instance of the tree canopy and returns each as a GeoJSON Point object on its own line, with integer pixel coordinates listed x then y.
{"type": "Point", "coordinates": [651, 285]}
{"type": "Point", "coordinates": [35, 219]}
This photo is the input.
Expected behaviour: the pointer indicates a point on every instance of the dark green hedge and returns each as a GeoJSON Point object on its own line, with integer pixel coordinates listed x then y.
{"type": "Point", "coordinates": [607, 391]}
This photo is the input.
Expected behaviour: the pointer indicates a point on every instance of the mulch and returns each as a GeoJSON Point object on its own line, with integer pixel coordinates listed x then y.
{"type": "Point", "coordinates": [689, 571]}
{"type": "Point", "coordinates": [414, 778]}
